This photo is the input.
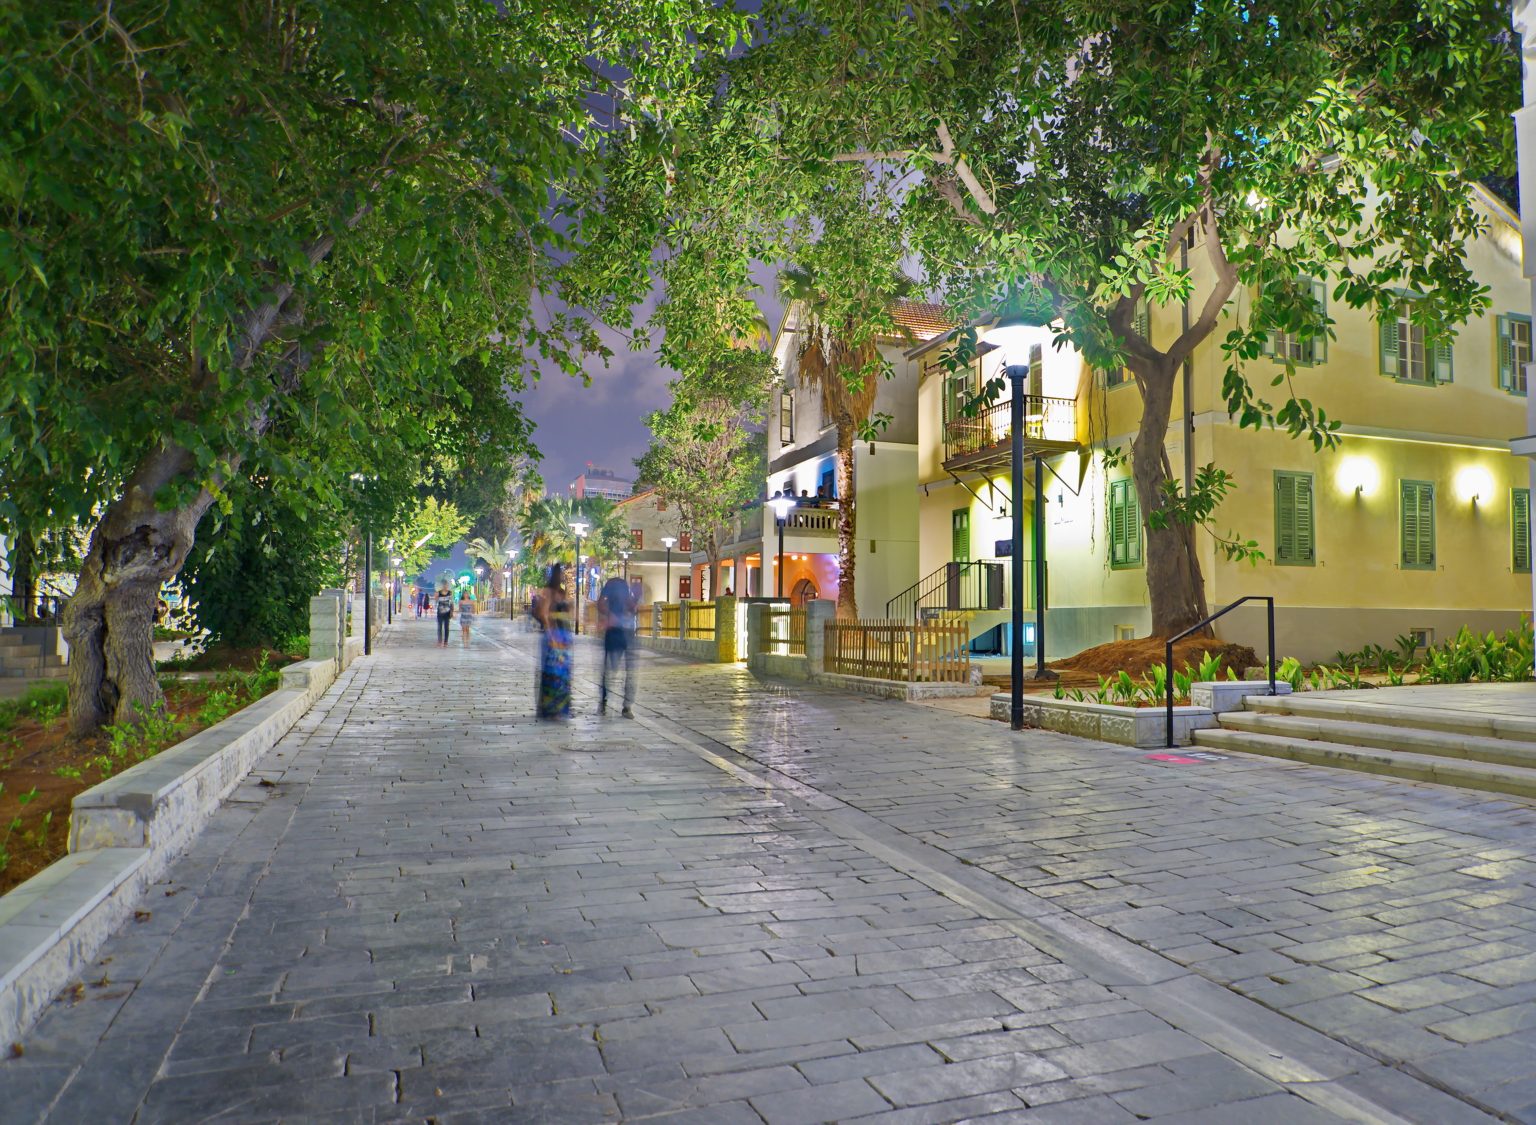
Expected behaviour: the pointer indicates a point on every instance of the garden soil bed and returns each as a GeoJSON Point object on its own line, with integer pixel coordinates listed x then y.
{"type": "Point", "coordinates": [1138, 655]}
{"type": "Point", "coordinates": [42, 767]}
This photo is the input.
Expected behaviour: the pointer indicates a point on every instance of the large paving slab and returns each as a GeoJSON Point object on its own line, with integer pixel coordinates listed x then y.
{"type": "Point", "coordinates": [764, 904]}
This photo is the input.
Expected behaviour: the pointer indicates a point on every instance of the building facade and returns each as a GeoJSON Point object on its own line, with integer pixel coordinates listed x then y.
{"type": "Point", "coordinates": [662, 573]}
{"type": "Point", "coordinates": [1417, 521]}
{"type": "Point", "coordinates": [600, 482]}
{"type": "Point", "coordinates": [802, 446]}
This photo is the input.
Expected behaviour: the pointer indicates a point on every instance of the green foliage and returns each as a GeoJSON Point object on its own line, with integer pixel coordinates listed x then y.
{"type": "Point", "coordinates": [249, 578]}
{"type": "Point", "coordinates": [1291, 672]}
{"type": "Point", "coordinates": [375, 179]}
{"type": "Point", "coordinates": [1471, 656]}
{"type": "Point", "coordinates": [1197, 506]}
{"type": "Point", "coordinates": [427, 529]}
{"type": "Point", "coordinates": [706, 452]}
{"type": "Point", "coordinates": [43, 701]}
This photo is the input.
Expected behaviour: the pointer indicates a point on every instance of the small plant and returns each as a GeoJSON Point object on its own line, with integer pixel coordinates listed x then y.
{"type": "Point", "coordinates": [69, 773]}
{"type": "Point", "coordinates": [1290, 671]}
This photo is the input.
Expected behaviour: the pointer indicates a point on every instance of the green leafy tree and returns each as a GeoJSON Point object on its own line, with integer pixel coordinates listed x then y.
{"type": "Point", "coordinates": [428, 529]}
{"type": "Point", "coordinates": [268, 227]}
{"type": "Point", "coordinates": [249, 580]}
{"type": "Point", "coordinates": [1078, 157]}
{"type": "Point", "coordinates": [707, 451]}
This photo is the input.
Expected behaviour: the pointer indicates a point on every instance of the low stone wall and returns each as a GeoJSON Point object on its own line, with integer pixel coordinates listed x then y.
{"type": "Point", "coordinates": [691, 648]}
{"type": "Point", "coordinates": [1145, 727]}
{"type": "Point", "coordinates": [782, 665]}
{"type": "Point", "coordinates": [895, 689]}
{"type": "Point", "coordinates": [124, 835]}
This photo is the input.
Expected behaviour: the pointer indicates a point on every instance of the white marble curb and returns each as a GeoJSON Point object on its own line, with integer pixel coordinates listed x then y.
{"type": "Point", "coordinates": [123, 835]}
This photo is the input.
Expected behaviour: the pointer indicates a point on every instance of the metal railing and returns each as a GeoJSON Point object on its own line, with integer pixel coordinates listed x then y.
{"type": "Point", "coordinates": [44, 607]}
{"type": "Point", "coordinates": [955, 587]}
{"type": "Point", "coordinates": [1195, 628]}
{"type": "Point", "coordinates": [1045, 419]}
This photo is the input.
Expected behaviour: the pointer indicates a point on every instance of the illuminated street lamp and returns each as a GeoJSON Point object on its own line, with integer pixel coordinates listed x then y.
{"type": "Point", "coordinates": [580, 528]}
{"type": "Point", "coordinates": [668, 541]}
{"type": "Point", "coordinates": [625, 556]}
{"type": "Point", "coordinates": [394, 576]}
{"type": "Point", "coordinates": [1017, 336]}
{"type": "Point", "coordinates": [781, 505]}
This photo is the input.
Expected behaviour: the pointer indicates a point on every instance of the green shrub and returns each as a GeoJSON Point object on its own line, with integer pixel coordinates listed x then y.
{"type": "Point", "coordinates": [1488, 658]}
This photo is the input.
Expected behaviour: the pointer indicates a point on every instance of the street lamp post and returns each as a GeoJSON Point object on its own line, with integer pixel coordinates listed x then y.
{"type": "Point", "coordinates": [781, 506]}
{"type": "Point", "coordinates": [625, 556]}
{"type": "Point", "coordinates": [394, 576]}
{"type": "Point", "coordinates": [580, 529]}
{"type": "Point", "coordinates": [1013, 334]}
{"type": "Point", "coordinates": [667, 541]}
{"type": "Point", "coordinates": [511, 583]}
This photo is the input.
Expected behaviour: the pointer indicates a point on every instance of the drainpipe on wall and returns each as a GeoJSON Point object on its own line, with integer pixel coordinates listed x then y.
{"type": "Point", "coordinates": [1525, 145]}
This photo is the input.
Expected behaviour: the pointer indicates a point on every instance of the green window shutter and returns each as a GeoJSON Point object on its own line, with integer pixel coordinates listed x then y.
{"type": "Point", "coordinates": [1269, 344]}
{"type": "Point", "coordinates": [1285, 518]}
{"type": "Point", "coordinates": [1319, 343]}
{"type": "Point", "coordinates": [960, 535]}
{"type": "Point", "coordinates": [1293, 519]}
{"type": "Point", "coordinates": [1305, 534]}
{"type": "Point", "coordinates": [1389, 343]}
{"type": "Point", "coordinates": [1439, 353]}
{"type": "Point", "coordinates": [1418, 525]}
{"type": "Point", "coordinates": [1520, 528]}
{"type": "Point", "coordinates": [1506, 354]}
{"type": "Point", "coordinates": [1124, 524]}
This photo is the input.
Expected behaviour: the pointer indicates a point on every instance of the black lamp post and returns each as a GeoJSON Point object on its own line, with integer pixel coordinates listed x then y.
{"type": "Point", "coordinates": [580, 529]}
{"type": "Point", "coordinates": [1013, 334]}
{"type": "Point", "coordinates": [781, 505]}
{"type": "Point", "coordinates": [667, 541]}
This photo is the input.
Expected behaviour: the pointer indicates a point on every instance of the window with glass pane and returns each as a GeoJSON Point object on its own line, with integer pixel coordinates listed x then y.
{"type": "Point", "coordinates": [1410, 348]}
{"type": "Point", "coordinates": [1291, 346]}
{"type": "Point", "coordinates": [786, 418]}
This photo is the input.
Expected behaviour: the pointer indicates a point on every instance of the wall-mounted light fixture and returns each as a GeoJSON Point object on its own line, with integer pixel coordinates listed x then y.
{"type": "Point", "coordinates": [1474, 484]}
{"type": "Point", "coordinates": [1359, 475]}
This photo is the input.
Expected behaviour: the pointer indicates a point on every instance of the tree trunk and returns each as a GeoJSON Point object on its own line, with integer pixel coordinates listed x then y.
{"type": "Point", "coordinates": [847, 524]}
{"type": "Point", "coordinates": [109, 622]}
{"type": "Point", "coordinates": [1175, 587]}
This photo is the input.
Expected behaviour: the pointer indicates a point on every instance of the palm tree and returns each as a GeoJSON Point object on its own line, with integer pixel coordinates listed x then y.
{"type": "Point", "coordinates": [495, 553]}
{"type": "Point", "coordinates": [841, 358]}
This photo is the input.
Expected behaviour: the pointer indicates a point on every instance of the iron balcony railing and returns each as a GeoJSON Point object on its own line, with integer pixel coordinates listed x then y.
{"type": "Point", "coordinates": [1045, 420]}
{"type": "Point", "coordinates": [956, 587]}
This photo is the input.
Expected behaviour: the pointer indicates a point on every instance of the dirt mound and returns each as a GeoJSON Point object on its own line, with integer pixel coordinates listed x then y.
{"type": "Point", "coordinates": [1138, 655]}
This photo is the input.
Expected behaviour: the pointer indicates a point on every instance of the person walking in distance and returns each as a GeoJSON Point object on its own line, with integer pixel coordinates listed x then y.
{"type": "Point", "coordinates": [616, 607]}
{"type": "Point", "coordinates": [444, 603]}
{"type": "Point", "coordinates": [466, 615]}
{"type": "Point", "coordinates": [554, 612]}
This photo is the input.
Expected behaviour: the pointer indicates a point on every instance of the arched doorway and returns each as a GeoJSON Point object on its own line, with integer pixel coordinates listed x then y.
{"type": "Point", "coordinates": [804, 591]}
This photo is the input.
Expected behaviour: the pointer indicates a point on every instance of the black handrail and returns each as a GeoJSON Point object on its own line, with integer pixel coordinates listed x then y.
{"type": "Point", "coordinates": [1168, 660]}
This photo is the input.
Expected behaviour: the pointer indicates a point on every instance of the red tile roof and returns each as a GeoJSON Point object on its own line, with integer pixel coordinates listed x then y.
{"type": "Point", "coordinates": [923, 320]}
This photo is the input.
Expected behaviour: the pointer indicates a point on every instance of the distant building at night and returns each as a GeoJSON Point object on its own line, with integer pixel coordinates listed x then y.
{"type": "Point", "coordinates": [600, 482]}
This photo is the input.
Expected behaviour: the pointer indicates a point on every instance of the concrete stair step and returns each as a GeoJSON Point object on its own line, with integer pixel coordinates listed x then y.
{"type": "Point", "coordinates": [1317, 705]}
{"type": "Point", "coordinates": [1463, 774]}
{"type": "Point", "coordinates": [1437, 743]}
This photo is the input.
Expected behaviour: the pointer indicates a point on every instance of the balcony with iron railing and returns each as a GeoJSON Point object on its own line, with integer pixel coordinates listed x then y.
{"type": "Point", "coordinates": [984, 439]}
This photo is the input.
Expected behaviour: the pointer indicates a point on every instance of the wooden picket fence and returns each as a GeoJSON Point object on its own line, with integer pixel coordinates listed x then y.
{"type": "Point", "coordinates": [785, 630]}
{"type": "Point", "coordinates": [926, 652]}
{"type": "Point", "coordinates": [671, 614]}
{"type": "Point", "coordinates": [701, 621]}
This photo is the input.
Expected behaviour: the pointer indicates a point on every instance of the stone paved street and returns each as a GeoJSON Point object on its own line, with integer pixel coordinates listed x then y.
{"type": "Point", "coordinates": [764, 903]}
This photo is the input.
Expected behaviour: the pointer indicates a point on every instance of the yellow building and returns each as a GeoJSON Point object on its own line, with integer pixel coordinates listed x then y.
{"type": "Point", "coordinates": [1419, 519]}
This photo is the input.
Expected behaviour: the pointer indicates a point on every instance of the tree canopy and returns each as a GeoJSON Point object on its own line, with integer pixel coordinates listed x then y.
{"type": "Point", "coordinates": [1074, 156]}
